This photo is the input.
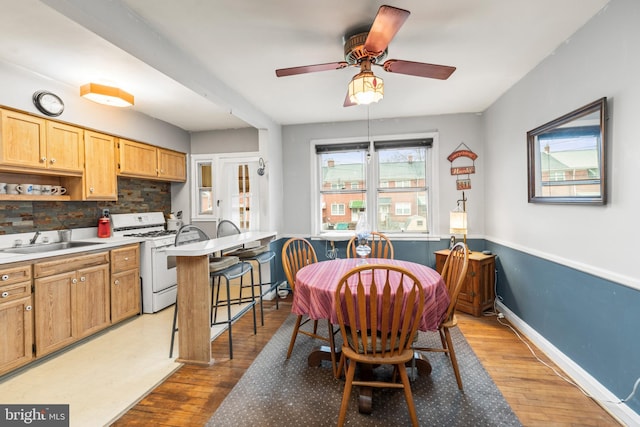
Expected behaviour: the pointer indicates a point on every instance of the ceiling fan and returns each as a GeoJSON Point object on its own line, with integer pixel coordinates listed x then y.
{"type": "Point", "coordinates": [368, 48]}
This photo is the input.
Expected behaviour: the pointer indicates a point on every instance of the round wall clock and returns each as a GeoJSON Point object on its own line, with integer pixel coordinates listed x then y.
{"type": "Point", "coordinates": [48, 103]}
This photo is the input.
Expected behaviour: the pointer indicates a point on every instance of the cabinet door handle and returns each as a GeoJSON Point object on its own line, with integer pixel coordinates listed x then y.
{"type": "Point", "coordinates": [28, 308]}
{"type": "Point", "coordinates": [91, 190]}
{"type": "Point", "coordinates": [83, 279]}
{"type": "Point", "coordinates": [52, 161]}
{"type": "Point", "coordinates": [5, 277]}
{"type": "Point", "coordinates": [43, 159]}
{"type": "Point", "coordinates": [116, 282]}
{"type": "Point", "coordinates": [5, 294]}
{"type": "Point", "coordinates": [74, 280]}
{"type": "Point", "coordinates": [126, 258]}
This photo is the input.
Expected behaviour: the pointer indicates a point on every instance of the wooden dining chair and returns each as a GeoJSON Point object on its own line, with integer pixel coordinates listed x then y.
{"type": "Point", "coordinates": [381, 246]}
{"type": "Point", "coordinates": [453, 273]}
{"type": "Point", "coordinates": [379, 309]}
{"type": "Point", "coordinates": [298, 253]}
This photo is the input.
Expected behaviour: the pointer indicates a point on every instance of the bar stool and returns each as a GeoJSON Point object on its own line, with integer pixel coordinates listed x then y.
{"type": "Point", "coordinates": [261, 255]}
{"type": "Point", "coordinates": [229, 267]}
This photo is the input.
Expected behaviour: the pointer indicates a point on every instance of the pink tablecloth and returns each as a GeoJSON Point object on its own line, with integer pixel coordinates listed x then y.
{"type": "Point", "coordinates": [316, 284]}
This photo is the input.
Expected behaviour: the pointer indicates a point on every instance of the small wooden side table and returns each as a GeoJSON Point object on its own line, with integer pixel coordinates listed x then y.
{"type": "Point", "coordinates": [478, 289]}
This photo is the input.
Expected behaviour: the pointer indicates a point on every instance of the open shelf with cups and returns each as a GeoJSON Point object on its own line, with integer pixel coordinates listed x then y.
{"type": "Point", "coordinates": [28, 187]}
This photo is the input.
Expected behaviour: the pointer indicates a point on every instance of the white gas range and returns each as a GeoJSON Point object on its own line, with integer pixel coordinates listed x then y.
{"type": "Point", "coordinates": [159, 276]}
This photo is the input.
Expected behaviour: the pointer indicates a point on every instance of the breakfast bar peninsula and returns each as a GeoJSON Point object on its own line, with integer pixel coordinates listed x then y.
{"type": "Point", "coordinates": [194, 292]}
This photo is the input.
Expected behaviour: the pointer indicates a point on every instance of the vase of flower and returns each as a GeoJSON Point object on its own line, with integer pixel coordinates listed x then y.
{"type": "Point", "coordinates": [363, 233]}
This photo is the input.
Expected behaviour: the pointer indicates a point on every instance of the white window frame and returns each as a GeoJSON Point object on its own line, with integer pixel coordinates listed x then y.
{"type": "Point", "coordinates": [372, 172]}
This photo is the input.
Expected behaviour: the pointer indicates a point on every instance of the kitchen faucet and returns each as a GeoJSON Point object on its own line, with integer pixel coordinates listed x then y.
{"type": "Point", "coordinates": [34, 238]}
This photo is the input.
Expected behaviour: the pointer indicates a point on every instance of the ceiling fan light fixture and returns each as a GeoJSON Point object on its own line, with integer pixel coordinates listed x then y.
{"type": "Point", "coordinates": [365, 88]}
{"type": "Point", "coordinates": [106, 95]}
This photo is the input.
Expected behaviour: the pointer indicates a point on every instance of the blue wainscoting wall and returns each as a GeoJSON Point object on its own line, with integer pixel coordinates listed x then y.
{"type": "Point", "coordinates": [593, 321]}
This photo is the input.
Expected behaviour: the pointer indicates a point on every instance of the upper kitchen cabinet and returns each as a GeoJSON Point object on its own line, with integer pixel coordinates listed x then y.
{"type": "Point", "coordinates": [100, 182]}
{"type": "Point", "coordinates": [172, 165]}
{"type": "Point", "coordinates": [136, 159]}
{"type": "Point", "coordinates": [33, 144]}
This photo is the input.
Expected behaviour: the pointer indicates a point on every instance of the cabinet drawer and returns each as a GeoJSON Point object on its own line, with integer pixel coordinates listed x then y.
{"type": "Point", "coordinates": [126, 258]}
{"type": "Point", "coordinates": [14, 274]}
{"type": "Point", "coordinates": [14, 291]}
{"type": "Point", "coordinates": [68, 263]}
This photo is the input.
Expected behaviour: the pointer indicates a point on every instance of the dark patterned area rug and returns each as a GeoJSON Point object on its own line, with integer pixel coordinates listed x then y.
{"type": "Point", "coordinates": [278, 392]}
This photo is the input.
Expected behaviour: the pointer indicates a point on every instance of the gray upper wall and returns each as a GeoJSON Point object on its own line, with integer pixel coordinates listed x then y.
{"type": "Point", "coordinates": [600, 60]}
{"type": "Point", "coordinates": [18, 85]}
{"type": "Point", "coordinates": [225, 141]}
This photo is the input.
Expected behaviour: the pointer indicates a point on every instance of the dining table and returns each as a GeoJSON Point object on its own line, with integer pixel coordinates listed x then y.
{"type": "Point", "coordinates": [314, 296]}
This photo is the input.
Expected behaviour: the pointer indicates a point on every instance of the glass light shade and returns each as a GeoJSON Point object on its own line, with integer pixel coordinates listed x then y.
{"type": "Point", "coordinates": [458, 222]}
{"type": "Point", "coordinates": [366, 88]}
{"type": "Point", "coordinates": [106, 95]}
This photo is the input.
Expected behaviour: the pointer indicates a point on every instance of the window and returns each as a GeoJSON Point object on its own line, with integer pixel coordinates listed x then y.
{"type": "Point", "coordinates": [390, 179]}
{"type": "Point", "coordinates": [403, 208]}
{"type": "Point", "coordinates": [337, 209]}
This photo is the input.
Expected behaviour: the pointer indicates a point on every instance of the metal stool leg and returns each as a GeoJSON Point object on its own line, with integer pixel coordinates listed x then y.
{"type": "Point", "coordinates": [173, 330]}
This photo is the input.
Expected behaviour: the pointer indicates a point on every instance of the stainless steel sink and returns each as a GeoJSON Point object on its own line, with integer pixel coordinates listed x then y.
{"type": "Point", "coordinates": [48, 247]}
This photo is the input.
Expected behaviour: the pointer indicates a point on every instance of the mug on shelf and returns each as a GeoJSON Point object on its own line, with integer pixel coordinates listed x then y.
{"type": "Point", "coordinates": [36, 189]}
{"type": "Point", "coordinates": [25, 189]}
{"type": "Point", "coordinates": [12, 188]}
{"type": "Point", "coordinates": [58, 190]}
{"type": "Point", "coordinates": [46, 190]}
{"type": "Point", "coordinates": [3, 188]}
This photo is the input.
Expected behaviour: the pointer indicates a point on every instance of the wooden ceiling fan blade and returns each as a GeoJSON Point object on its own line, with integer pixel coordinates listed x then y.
{"type": "Point", "coordinates": [420, 69]}
{"type": "Point", "coordinates": [348, 102]}
{"type": "Point", "coordinates": [283, 72]}
{"type": "Point", "coordinates": [387, 23]}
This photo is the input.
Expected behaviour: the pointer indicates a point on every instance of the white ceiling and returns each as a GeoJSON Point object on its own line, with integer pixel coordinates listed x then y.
{"type": "Point", "coordinates": [205, 65]}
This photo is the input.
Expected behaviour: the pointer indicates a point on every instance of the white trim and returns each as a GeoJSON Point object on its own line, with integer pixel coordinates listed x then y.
{"type": "Point", "coordinates": [613, 276]}
{"type": "Point", "coordinates": [622, 412]}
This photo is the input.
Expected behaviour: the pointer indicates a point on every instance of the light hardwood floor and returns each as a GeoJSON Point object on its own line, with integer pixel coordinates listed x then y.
{"type": "Point", "coordinates": [538, 397]}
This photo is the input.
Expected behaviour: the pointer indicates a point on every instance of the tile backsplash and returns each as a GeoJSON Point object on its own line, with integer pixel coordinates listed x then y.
{"type": "Point", "coordinates": [134, 195]}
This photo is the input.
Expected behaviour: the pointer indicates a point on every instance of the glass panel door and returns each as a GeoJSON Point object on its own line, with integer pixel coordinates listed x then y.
{"type": "Point", "coordinates": [240, 197]}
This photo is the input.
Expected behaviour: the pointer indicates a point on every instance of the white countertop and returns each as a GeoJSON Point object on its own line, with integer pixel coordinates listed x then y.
{"type": "Point", "coordinates": [215, 245]}
{"type": "Point", "coordinates": [101, 244]}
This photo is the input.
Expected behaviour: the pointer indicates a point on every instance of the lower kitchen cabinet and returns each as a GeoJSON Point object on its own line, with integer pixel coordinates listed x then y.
{"type": "Point", "coordinates": [48, 304]}
{"type": "Point", "coordinates": [16, 317]}
{"type": "Point", "coordinates": [478, 289]}
{"type": "Point", "coordinates": [72, 300]}
{"type": "Point", "coordinates": [125, 282]}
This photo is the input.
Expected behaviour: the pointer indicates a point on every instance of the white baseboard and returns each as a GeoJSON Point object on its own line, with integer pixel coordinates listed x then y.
{"type": "Point", "coordinates": [600, 393]}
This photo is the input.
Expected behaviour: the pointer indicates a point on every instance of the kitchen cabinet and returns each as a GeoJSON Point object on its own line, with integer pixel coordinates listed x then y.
{"type": "Point", "coordinates": [100, 181]}
{"type": "Point", "coordinates": [478, 289]}
{"type": "Point", "coordinates": [72, 299]}
{"type": "Point", "coordinates": [172, 165]}
{"type": "Point", "coordinates": [16, 316]}
{"type": "Point", "coordinates": [65, 148]}
{"type": "Point", "coordinates": [125, 282]}
{"type": "Point", "coordinates": [23, 140]}
{"type": "Point", "coordinates": [33, 144]}
{"type": "Point", "coordinates": [137, 159]}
